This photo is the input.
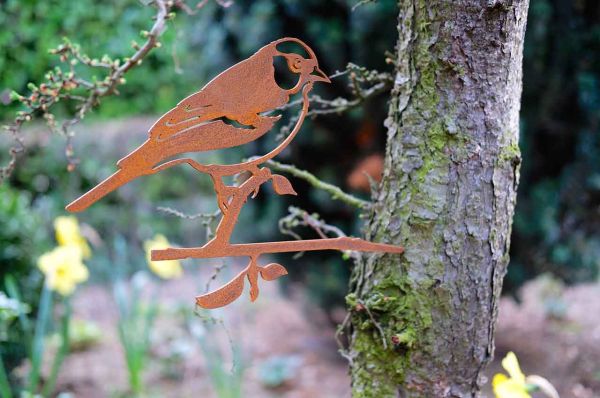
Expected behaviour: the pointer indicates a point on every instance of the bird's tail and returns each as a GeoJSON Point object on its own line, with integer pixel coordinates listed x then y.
{"type": "Point", "coordinates": [99, 191]}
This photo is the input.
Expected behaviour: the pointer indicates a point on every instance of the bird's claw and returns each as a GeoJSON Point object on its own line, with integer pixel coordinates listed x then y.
{"type": "Point", "coordinates": [262, 172]}
{"type": "Point", "coordinates": [224, 206]}
{"type": "Point", "coordinates": [264, 122]}
{"type": "Point", "coordinates": [224, 196]}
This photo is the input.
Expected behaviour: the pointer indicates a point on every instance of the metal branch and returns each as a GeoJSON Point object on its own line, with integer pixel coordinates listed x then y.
{"type": "Point", "coordinates": [254, 250]}
{"type": "Point", "coordinates": [298, 217]}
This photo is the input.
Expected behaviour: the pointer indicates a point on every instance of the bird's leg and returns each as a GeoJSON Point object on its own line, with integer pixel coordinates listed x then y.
{"type": "Point", "coordinates": [251, 119]}
{"type": "Point", "coordinates": [224, 192]}
{"type": "Point", "coordinates": [259, 173]}
{"type": "Point", "coordinates": [258, 122]}
{"type": "Point", "coordinates": [232, 199]}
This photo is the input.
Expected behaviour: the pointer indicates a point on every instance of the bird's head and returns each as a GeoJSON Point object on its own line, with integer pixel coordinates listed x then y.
{"type": "Point", "coordinates": [307, 68]}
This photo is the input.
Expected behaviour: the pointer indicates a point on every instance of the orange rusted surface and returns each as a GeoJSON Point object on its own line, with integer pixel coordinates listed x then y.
{"type": "Point", "coordinates": [243, 94]}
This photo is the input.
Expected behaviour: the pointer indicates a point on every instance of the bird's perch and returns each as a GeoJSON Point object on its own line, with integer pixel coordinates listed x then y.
{"type": "Point", "coordinates": [233, 289]}
{"type": "Point", "coordinates": [232, 200]}
{"type": "Point", "coordinates": [256, 249]}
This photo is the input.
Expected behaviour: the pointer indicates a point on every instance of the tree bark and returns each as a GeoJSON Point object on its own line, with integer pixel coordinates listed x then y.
{"type": "Point", "coordinates": [422, 323]}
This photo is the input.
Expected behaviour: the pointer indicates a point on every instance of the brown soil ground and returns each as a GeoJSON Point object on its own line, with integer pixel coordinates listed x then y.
{"type": "Point", "coordinates": [554, 331]}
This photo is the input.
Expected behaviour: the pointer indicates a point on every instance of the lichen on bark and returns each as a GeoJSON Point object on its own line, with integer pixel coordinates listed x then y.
{"type": "Point", "coordinates": [422, 323]}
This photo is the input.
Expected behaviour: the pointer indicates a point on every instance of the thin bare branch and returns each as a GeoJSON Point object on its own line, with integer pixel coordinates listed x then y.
{"type": "Point", "coordinates": [375, 323]}
{"type": "Point", "coordinates": [61, 82]}
{"type": "Point", "coordinates": [334, 191]}
{"type": "Point", "coordinates": [301, 218]}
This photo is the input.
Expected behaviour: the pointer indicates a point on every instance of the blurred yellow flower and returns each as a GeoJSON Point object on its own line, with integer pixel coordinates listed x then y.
{"type": "Point", "coordinates": [517, 385]}
{"type": "Point", "coordinates": [68, 234]}
{"type": "Point", "coordinates": [513, 386]}
{"type": "Point", "coordinates": [63, 269]}
{"type": "Point", "coordinates": [168, 269]}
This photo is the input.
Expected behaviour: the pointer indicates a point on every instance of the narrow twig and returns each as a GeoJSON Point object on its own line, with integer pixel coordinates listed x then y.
{"type": "Point", "coordinates": [375, 323]}
{"type": "Point", "coordinates": [334, 191]}
{"type": "Point", "coordinates": [60, 81]}
{"type": "Point", "coordinates": [213, 277]}
{"type": "Point", "coordinates": [376, 83]}
{"type": "Point", "coordinates": [301, 218]}
{"type": "Point", "coordinates": [207, 219]}
{"type": "Point", "coordinates": [341, 329]}
{"type": "Point", "coordinates": [361, 3]}
{"type": "Point", "coordinates": [177, 213]}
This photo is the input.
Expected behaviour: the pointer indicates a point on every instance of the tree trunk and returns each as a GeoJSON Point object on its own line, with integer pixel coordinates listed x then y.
{"type": "Point", "coordinates": [422, 324]}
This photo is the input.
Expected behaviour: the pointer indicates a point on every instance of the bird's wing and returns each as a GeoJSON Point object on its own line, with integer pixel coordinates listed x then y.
{"type": "Point", "coordinates": [204, 136]}
{"type": "Point", "coordinates": [203, 106]}
{"type": "Point", "coordinates": [182, 117]}
{"type": "Point", "coordinates": [215, 135]}
{"type": "Point", "coordinates": [239, 93]}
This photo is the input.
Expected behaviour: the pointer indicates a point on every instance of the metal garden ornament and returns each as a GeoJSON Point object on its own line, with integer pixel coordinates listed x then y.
{"type": "Point", "coordinates": [242, 94]}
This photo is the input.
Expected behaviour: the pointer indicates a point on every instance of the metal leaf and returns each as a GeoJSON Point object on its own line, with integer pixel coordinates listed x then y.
{"type": "Point", "coordinates": [272, 271]}
{"type": "Point", "coordinates": [224, 295]}
{"type": "Point", "coordinates": [253, 288]}
{"type": "Point", "coordinates": [282, 185]}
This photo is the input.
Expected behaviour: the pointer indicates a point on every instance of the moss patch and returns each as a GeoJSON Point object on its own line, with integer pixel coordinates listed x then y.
{"type": "Point", "coordinates": [403, 315]}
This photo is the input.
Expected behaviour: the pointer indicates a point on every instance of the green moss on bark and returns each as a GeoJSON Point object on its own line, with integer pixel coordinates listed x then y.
{"type": "Point", "coordinates": [402, 316]}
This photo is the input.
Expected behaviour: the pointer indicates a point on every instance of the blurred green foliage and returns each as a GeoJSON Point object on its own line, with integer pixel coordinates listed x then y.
{"type": "Point", "coordinates": [31, 28]}
{"type": "Point", "coordinates": [21, 241]}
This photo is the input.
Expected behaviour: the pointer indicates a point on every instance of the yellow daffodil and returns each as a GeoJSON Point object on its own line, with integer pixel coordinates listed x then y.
{"type": "Point", "coordinates": [168, 269]}
{"type": "Point", "coordinates": [68, 234]}
{"type": "Point", "coordinates": [63, 269]}
{"type": "Point", "coordinates": [505, 387]}
{"type": "Point", "coordinates": [517, 385]}
{"type": "Point", "coordinates": [513, 386]}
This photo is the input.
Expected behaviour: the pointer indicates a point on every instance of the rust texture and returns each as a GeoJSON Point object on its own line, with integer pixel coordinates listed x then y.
{"type": "Point", "coordinates": [242, 94]}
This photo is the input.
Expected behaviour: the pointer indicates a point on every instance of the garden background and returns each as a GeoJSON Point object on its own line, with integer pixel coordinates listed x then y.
{"type": "Point", "coordinates": [285, 344]}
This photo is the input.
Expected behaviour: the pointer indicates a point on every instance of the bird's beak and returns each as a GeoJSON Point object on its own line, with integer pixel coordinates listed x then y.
{"type": "Point", "coordinates": [318, 75]}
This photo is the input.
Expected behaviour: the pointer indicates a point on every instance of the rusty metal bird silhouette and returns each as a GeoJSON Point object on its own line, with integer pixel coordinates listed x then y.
{"type": "Point", "coordinates": [206, 121]}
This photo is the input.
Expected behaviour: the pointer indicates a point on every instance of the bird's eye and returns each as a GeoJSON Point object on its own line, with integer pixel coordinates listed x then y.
{"type": "Point", "coordinates": [295, 65]}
